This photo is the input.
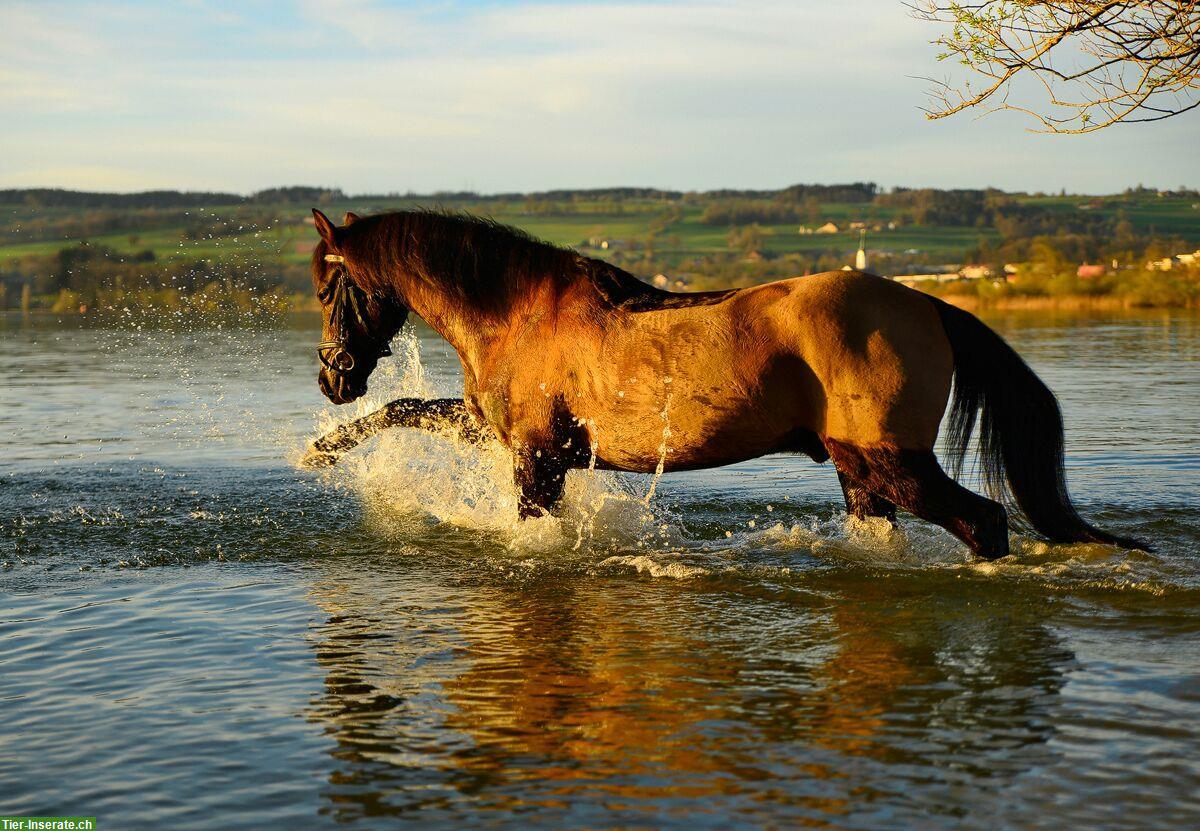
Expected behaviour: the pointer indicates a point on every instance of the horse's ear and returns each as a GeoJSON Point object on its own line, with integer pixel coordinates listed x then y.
{"type": "Point", "coordinates": [325, 228]}
{"type": "Point", "coordinates": [350, 218]}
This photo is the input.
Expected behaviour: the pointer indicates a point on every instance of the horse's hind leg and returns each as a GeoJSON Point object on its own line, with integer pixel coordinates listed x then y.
{"type": "Point", "coordinates": [914, 481]}
{"type": "Point", "coordinates": [862, 503]}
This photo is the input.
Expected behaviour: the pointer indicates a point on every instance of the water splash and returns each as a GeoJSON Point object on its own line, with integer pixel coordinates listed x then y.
{"type": "Point", "coordinates": [665, 415]}
{"type": "Point", "coordinates": [410, 480]}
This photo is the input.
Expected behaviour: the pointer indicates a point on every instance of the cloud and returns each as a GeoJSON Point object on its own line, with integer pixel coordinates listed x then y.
{"type": "Point", "coordinates": [96, 177]}
{"type": "Point", "coordinates": [508, 95]}
{"type": "Point", "coordinates": [366, 24]}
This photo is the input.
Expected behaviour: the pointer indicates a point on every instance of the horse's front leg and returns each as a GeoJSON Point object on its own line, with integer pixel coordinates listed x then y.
{"type": "Point", "coordinates": [546, 443]}
{"type": "Point", "coordinates": [540, 474]}
{"type": "Point", "coordinates": [437, 414]}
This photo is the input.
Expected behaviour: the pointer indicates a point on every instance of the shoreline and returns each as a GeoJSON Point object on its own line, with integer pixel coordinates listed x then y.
{"type": "Point", "coordinates": [1064, 303]}
{"type": "Point", "coordinates": [275, 304]}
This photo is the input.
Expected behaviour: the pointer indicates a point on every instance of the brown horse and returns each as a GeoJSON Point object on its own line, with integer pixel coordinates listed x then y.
{"type": "Point", "coordinates": [571, 362]}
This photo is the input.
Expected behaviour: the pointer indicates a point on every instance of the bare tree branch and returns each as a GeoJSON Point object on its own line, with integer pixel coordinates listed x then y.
{"type": "Point", "coordinates": [1099, 62]}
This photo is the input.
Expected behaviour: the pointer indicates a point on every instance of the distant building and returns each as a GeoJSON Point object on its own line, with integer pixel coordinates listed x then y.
{"type": "Point", "coordinates": [1090, 272]}
{"type": "Point", "coordinates": [911, 279]}
{"type": "Point", "coordinates": [1168, 263]}
{"type": "Point", "coordinates": [974, 272]}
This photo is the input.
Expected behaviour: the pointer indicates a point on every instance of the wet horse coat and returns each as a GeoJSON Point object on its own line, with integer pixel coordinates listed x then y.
{"type": "Point", "coordinates": [570, 361]}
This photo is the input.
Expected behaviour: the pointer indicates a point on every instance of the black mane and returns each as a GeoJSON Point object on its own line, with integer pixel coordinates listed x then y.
{"type": "Point", "coordinates": [485, 264]}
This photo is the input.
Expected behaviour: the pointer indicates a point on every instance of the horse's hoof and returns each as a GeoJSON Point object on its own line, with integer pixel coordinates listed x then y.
{"type": "Point", "coordinates": [314, 458]}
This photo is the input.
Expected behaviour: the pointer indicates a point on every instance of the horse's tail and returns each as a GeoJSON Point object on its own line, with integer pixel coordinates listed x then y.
{"type": "Point", "coordinates": [1021, 431]}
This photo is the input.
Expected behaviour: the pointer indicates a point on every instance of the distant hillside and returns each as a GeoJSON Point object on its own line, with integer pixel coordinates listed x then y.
{"type": "Point", "coordinates": [68, 249]}
{"type": "Point", "coordinates": [58, 198]}
{"type": "Point", "coordinates": [296, 194]}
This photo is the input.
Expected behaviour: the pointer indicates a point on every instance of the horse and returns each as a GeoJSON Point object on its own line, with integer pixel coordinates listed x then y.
{"type": "Point", "coordinates": [571, 362]}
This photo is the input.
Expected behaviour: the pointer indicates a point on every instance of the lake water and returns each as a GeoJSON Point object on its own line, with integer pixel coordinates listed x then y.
{"type": "Point", "coordinates": [196, 633]}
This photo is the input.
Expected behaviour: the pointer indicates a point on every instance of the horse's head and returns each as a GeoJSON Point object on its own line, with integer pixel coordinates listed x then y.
{"type": "Point", "coordinates": [357, 325]}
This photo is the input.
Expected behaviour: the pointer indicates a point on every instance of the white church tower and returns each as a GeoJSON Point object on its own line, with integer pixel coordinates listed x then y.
{"type": "Point", "coordinates": [860, 259]}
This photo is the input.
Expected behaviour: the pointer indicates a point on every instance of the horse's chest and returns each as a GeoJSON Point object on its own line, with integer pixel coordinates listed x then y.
{"type": "Point", "coordinates": [492, 407]}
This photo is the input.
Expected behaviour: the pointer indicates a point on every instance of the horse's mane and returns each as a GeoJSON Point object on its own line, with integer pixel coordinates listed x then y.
{"type": "Point", "coordinates": [486, 265]}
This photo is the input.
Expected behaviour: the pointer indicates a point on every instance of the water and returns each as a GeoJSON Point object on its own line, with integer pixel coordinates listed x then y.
{"type": "Point", "coordinates": [195, 633]}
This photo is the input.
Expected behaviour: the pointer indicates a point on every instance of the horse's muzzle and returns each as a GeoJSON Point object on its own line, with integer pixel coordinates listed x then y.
{"type": "Point", "coordinates": [339, 387]}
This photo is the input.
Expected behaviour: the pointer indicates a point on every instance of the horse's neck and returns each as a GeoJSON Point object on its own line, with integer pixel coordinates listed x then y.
{"type": "Point", "coordinates": [474, 331]}
{"type": "Point", "coordinates": [470, 331]}
{"type": "Point", "coordinates": [441, 315]}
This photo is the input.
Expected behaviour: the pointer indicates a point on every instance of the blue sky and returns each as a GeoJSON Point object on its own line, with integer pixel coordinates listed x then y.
{"type": "Point", "coordinates": [516, 95]}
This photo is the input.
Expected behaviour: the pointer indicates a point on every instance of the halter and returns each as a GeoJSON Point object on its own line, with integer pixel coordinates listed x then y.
{"type": "Point", "coordinates": [347, 299]}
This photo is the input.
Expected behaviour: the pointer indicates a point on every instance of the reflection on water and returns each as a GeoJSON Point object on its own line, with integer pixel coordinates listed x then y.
{"type": "Point", "coordinates": [193, 628]}
{"type": "Point", "coordinates": [573, 701]}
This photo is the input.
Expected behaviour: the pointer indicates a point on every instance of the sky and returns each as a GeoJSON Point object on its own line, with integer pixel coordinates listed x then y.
{"type": "Point", "coordinates": [517, 95]}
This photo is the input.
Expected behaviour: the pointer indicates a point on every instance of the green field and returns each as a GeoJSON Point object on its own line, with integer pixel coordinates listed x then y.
{"type": "Point", "coordinates": [686, 238]}
{"type": "Point", "coordinates": [273, 241]}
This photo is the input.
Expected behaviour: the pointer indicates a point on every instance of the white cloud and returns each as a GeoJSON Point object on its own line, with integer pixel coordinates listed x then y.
{"type": "Point", "coordinates": [514, 96]}
{"type": "Point", "coordinates": [367, 24]}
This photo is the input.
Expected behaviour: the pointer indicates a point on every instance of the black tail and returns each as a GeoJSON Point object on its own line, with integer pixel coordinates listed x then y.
{"type": "Point", "coordinates": [1021, 431]}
